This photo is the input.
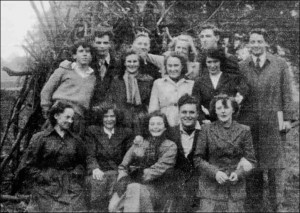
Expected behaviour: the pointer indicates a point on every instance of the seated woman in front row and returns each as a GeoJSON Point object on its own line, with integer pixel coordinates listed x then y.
{"type": "Point", "coordinates": [55, 161]}
{"type": "Point", "coordinates": [107, 144]}
{"type": "Point", "coordinates": [224, 153]}
{"type": "Point", "coordinates": [143, 174]}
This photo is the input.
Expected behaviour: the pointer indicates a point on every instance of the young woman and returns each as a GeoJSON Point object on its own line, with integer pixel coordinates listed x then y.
{"type": "Point", "coordinates": [108, 141]}
{"type": "Point", "coordinates": [130, 91]}
{"type": "Point", "coordinates": [167, 90]}
{"type": "Point", "coordinates": [143, 174]}
{"type": "Point", "coordinates": [215, 81]}
{"type": "Point", "coordinates": [223, 151]}
{"type": "Point", "coordinates": [55, 161]}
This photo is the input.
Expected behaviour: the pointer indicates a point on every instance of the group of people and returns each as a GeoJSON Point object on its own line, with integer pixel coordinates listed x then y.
{"type": "Point", "coordinates": [182, 131]}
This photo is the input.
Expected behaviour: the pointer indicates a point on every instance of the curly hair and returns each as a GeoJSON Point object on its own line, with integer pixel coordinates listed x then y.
{"type": "Point", "coordinates": [224, 98]}
{"type": "Point", "coordinates": [58, 108]}
{"type": "Point", "coordinates": [182, 59]}
{"type": "Point", "coordinates": [147, 118]}
{"type": "Point", "coordinates": [192, 51]}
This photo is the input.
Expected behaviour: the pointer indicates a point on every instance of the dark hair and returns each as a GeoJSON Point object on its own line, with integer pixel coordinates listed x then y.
{"type": "Point", "coordinates": [58, 108]}
{"type": "Point", "coordinates": [103, 108]}
{"type": "Point", "coordinates": [224, 98]}
{"type": "Point", "coordinates": [188, 99]}
{"type": "Point", "coordinates": [260, 31]}
{"type": "Point", "coordinates": [156, 113]}
{"type": "Point", "coordinates": [215, 29]}
{"type": "Point", "coordinates": [218, 54]}
{"type": "Point", "coordinates": [100, 34]}
{"type": "Point", "coordinates": [84, 44]}
{"type": "Point", "coordinates": [128, 52]}
{"type": "Point", "coordinates": [181, 57]}
{"type": "Point", "coordinates": [138, 35]}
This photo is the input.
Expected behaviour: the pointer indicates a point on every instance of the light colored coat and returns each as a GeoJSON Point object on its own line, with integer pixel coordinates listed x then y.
{"type": "Point", "coordinates": [165, 95]}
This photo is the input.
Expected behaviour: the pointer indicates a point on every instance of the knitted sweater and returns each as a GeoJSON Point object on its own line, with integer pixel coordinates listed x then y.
{"type": "Point", "coordinates": [66, 84]}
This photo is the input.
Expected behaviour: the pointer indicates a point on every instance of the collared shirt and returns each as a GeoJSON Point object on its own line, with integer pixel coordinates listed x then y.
{"type": "Point", "coordinates": [107, 60]}
{"type": "Point", "coordinates": [187, 140]}
{"type": "Point", "coordinates": [80, 72]}
{"type": "Point", "coordinates": [108, 132]}
{"type": "Point", "coordinates": [215, 79]}
{"type": "Point", "coordinates": [262, 58]}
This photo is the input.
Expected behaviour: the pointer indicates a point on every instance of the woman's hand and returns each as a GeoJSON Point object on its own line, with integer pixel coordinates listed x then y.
{"type": "Point", "coordinates": [98, 174]}
{"type": "Point", "coordinates": [221, 177]}
{"type": "Point", "coordinates": [233, 177]}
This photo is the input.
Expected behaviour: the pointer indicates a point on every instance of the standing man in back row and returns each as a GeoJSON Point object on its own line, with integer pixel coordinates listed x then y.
{"type": "Point", "coordinates": [268, 110]}
{"type": "Point", "coordinates": [210, 37]}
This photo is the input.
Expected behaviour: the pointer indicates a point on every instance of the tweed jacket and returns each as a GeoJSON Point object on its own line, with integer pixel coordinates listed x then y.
{"type": "Point", "coordinates": [104, 153]}
{"type": "Point", "coordinates": [221, 149]}
{"type": "Point", "coordinates": [269, 92]}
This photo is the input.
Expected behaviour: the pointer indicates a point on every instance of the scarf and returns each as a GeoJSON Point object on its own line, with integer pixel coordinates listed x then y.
{"type": "Point", "coordinates": [132, 89]}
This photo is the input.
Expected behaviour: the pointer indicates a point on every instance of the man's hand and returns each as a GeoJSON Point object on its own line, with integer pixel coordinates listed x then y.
{"type": "Point", "coordinates": [98, 174]}
{"type": "Point", "coordinates": [221, 177]}
{"type": "Point", "coordinates": [206, 112]}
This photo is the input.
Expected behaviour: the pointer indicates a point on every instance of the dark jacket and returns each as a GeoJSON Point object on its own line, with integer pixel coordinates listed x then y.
{"type": "Point", "coordinates": [228, 83]}
{"type": "Point", "coordinates": [184, 164]}
{"type": "Point", "coordinates": [57, 167]}
{"type": "Point", "coordinates": [221, 149]}
{"type": "Point", "coordinates": [270, 92]}
{"type": "Point", "coordinates": [104, 153]}
{"type": "Point", "coordinates": [102, 86]}
{"type": "Point", "coordinates": [132, 113]}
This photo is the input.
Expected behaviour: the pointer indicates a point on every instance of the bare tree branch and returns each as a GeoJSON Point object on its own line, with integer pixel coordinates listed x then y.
{"type": "Point", "coordinates": [164, 13]}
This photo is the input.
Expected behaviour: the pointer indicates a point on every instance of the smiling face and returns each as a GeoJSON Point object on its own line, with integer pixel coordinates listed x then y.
{"type": "Point", "coordinates": [132, 63]}
{"type": "Point", "coordinates": [102, 44]}
{"type": "Point", "coordinates": [156, 126]}
{"type": "Point", "coordinates": [83, 56]}
{"type": "Point", "coordinates": [208, 39]}
{"type": "Point", "coordinates": [142, 44]}
{"type": "Point", "coordinates": [182, 46]}
{"type": "Point", "coordinates": [174, 67]}
{"type": "Point", "coordinates": [257, 44]}
{"type": "Point", "coordinates": [213, 65]}
{"type": "Point", "coordinates": [188, 115]}
{"type": "Point", "coordinates": [109, 119]}
{"type": "Point", "coordinates": [64, 120]}
{"type": "Point", "coordinates": [224, 113]}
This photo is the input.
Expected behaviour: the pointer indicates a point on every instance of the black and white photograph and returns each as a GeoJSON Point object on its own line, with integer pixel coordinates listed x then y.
{"type": "Point", "coordinates": [149, 106]}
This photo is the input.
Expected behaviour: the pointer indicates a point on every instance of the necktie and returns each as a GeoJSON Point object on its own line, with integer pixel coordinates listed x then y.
{"type": "Point", "coordinates": [102, 68]}
{"type": "Point", "coordinates": [257, 64]}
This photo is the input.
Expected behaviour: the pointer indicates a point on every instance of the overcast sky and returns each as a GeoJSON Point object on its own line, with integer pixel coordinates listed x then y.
{"type": "Point", "coordinates": [17, 17]}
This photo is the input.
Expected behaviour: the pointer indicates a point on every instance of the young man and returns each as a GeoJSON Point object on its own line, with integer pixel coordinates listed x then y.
{"type": "Point", "coordinates": [185, 136]}
{"type": "Point", "coordinates": [210, 39]}
{"type": "Point", "coordinates": [104, 65]}
{"type": "Point", "coordinates": [73, 82]}
{"type": "Point", "coordinates": [268, 110]}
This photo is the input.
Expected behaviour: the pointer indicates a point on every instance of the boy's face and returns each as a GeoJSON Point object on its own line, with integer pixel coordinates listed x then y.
{"type": "Point", "coordinates": [83, 55]}
{"type": "Point", "coordinates": [102, 44]}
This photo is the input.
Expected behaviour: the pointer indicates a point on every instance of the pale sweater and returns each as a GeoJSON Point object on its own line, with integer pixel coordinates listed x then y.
{"type": "Point", "coordinates": [66, 84]}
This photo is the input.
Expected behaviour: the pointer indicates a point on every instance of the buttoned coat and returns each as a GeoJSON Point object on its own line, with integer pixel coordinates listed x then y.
{"type": "Point", "coordinates": [221, 149]}
{"type": "Point", "coordinates": [269, 92]}
{"type": "Point", "coordinates": [165, 95]}
{"type": "Point", "coordinates": [228, 84]}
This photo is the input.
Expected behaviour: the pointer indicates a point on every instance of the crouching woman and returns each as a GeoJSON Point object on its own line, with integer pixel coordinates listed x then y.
{"type": "Point", "coordinates": [144, 172]}
{"type": "Point", "coordinates": [223, 156]}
